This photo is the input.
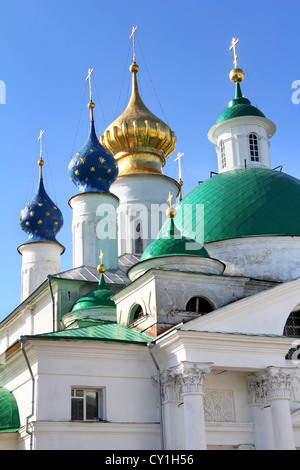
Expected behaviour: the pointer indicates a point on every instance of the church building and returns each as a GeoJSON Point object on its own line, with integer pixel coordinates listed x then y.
{"type": "Point", "coordinates": [178, 325]}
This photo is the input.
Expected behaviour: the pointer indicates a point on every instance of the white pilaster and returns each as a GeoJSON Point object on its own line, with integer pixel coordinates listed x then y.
{"type": "Point", "coordinates": [260, 406]}
{"type": "Point", "coordinates": [171, 400]}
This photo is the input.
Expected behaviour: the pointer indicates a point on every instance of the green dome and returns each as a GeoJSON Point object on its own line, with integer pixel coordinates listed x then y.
{"type": "Point", "coordinates": [242, 203]}
{"type": "Point", "coordinates": [169, 245]}
{"type": "Point", "coordinates": [100, 298]}
{"type": "Point", "coordinates": [238, 107]}
{"type": "Point", "coordinates": [9, 412]}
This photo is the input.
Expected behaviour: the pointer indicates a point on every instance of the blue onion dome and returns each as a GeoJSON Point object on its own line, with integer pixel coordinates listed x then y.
{"type": "Point", "coordinates": [41, 219]}
{"type": "Point", "coordinates": [93, 168]}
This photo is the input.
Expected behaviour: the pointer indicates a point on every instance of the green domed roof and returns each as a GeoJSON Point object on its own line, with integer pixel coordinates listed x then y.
{"type": "Point", "coordinates": [173, 244]}
{"type": "Point", "coordinates": [100, 298]}
{"type": "Point", "coordinates": [9, 412]}
{"type": "Point", "coordinates": [242, 203]}
{"type": "Point", "coordinates": [238, 107]}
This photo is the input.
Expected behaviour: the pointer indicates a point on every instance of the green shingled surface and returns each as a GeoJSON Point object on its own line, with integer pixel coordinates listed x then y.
{"type": "Point", "coordinates": [173, 244]}
{"type": "Point", "coordinates": [9, 412]}
{"type": "Point", "coordinates": [104, 331]}
{"type": "Point", "coordinates": [238, 111]}
{"type": "Point", "coordinates": [242, 203]}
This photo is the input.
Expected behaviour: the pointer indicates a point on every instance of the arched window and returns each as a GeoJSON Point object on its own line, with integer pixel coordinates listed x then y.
{"type": "Point", "coordinates": [292, 326]}
{"type": "Point", "coordinates": [136, 313]}
{"type": "Point", "coordinates": [222, 154]}
{"type": "Point", "coordinates": [253, 146]}
{"type": "Point", "coordinates": [138, 238]}
{"type": "Point", "coordinates": [198, 305]}
{"type": "Point", "coordinates": [292, 329]}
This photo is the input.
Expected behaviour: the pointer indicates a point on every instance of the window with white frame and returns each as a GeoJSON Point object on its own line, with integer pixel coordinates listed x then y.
{"type": "Point", "coordinates": [253, 146]}
{"type": "Point", "coordinates": [87, 404]}
{"type": "Point", "coordinates": [222, 154]}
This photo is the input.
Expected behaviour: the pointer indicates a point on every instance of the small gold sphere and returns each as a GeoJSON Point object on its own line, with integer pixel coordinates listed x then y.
{"type": "Point", "coordinates": [101, 268]}
{"type": "Point", "coordinates": [91, 105]}
{"type": "Point", "coordinates": [41, 162]}
{"type": "Point", "coordinates": [134, 68]}
{"type": "Point", "coordinates": [236, 75]}
{"type": "Point", "coordinates": [171, 212]}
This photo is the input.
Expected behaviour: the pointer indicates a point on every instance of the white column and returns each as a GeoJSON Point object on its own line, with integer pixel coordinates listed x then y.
{"type": "Point", "coordinates": [258, 392]}
{"type": "Point", "coordinates": [280, 389]}
{"type": "Point", "coordinates": [192, 377]}
{"type": "Point", "coordinates": [94, 228]}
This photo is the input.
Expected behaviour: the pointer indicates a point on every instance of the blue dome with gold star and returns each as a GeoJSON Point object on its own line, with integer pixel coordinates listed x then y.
{"type": "Point", "coordinates": [41, 219]}
{"type": "Point", "coordinates": [93, 168]}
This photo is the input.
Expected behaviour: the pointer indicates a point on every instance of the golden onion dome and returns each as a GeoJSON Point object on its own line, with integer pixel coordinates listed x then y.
{"type": "Point", "coordinates": [139, 141]}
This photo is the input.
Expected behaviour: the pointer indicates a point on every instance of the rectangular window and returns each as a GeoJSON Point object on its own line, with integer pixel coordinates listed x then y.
{"type": "Point", "coordinates": [87, 404]}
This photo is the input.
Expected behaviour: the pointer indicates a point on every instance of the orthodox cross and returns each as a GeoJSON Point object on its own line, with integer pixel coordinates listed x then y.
{"type": "Point", "coordinates": [233, 47]}
{"type": "Point", "coordinates": [89, 79]}
{"type": "Point", "coordinates": [170, 199]}
{"type": "Point", "coordinates": [41, 162]}
{"type": "Point", "coordinates": [101, 256]}
{"type": "Point", "coordinates": [179, 156]}
{"type": "Point", "coordinates": [134, 28]}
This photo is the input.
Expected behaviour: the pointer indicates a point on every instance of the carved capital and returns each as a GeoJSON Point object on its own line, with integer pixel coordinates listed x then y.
{"type": "Point", "coordinates": [170, 385]}
{"type": "Point", "coordinates": [191, 377]}
{"type": "Point", "coordinates": [280, 383]}
{"type": "Point", "coordinates": [258, 389]}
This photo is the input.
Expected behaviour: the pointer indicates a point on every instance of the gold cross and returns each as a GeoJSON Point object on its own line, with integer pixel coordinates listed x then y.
{"type": "Point", "coordinates": [134, 28]}
{"type": "Point", "coordinates": [41, 162]}
{"type": "Point", "coordinates": [179, 156]}
{"type": "Point", "coordinates": [233, 47]}
{"type": "Point", "coordinates": [101, 256]}
{"type": "Point", "coordinates": [170, 198]}
{"type": "Point", "coordinates": [89, 79]}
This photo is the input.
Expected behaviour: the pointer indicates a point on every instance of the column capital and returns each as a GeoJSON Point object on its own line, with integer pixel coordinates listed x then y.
{"type": "Point", "coordinates": [280, 382]}
{"type": "Point", "coordinates": [191, 376]}
{"type": "Point", "coordinates": [258, 389]}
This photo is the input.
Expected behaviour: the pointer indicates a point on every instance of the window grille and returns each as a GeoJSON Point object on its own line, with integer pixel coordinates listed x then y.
{"type": "Point", "coordinates": [222, 153]}
{"type": "Point", "coordinates": [253, 145]}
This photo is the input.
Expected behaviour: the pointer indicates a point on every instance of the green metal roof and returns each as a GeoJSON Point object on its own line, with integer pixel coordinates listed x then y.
{"type": "Point", "coordinates": [168, 245]}
{"type": "Point", "coordinates": [100, 298]}
{"type": "Point", "coordinates": [242, 203]}
{"type": "Point", "coordinates": [238, 107]}
{"type": "Point", "coordinates": [9, 412]}
{"type": "Point", "coordinates": [103, 331]}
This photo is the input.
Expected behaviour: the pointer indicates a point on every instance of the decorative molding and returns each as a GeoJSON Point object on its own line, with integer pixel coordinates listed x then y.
{"type": "Point", "coordinates": [219, 406]}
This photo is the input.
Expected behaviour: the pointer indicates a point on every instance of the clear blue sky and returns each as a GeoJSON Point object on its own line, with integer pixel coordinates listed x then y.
{"type": "Point", "coordinates": [46, 48]}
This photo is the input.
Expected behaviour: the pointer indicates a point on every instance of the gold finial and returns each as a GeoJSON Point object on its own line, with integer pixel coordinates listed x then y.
{"type": "Point", "coordinates": [236, 75]}
{"type": "Point", "coordinates": [41, 161]}
{"type": "Point", "coordinates": [171, 212]}
{"type": "Point", "coordinates": [91, 105]}
{"type": "Point", "coordinates": [179, 156]}
{"type": "Point", "coordinates": [101, 267]}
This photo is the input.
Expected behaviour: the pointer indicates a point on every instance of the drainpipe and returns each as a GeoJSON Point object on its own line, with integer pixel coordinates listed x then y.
{"type": "Point", "coordinates": [53, 303]}
{"type": "Point", "coordinates": [23, 339]}
{"type": "Point", "coordinates": [161, 421]}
